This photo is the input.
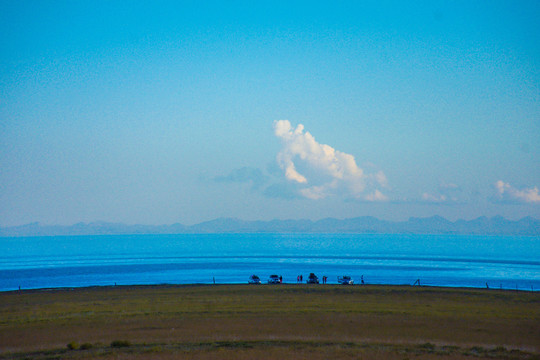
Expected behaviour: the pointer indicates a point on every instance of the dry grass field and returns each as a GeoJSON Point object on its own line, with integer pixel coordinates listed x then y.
{"type": "Point", "coordinates": [269, 322]}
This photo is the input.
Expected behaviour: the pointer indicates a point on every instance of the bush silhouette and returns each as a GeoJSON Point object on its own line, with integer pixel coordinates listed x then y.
{"type": "Point", "coordinates": [120, 343]}
{"type": "Point", "coordinates": [72, 345]}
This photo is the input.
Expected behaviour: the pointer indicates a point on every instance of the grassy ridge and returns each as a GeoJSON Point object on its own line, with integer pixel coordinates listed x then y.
{"type": "Point", "coordinates": [274, 321]}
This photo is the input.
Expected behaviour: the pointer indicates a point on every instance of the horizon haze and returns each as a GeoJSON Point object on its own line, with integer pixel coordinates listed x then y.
{"type": "Point", "coordinates": [434, 225]}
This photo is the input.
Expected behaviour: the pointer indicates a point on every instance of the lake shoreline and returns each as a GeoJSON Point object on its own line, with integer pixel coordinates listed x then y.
{"type": "Point", "coordinates": [171, 285]}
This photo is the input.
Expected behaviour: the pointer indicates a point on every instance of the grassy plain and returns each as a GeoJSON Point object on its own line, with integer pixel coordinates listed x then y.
{"type": "Point", "coordinates": [269, 322]}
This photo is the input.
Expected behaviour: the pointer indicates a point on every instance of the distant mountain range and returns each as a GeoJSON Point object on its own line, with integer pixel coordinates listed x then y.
{"type": "Point", "coordinates": [432, 225]}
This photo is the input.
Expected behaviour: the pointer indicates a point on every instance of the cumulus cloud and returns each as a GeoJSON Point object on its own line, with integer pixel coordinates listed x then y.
{"type": "Point", "coordinates": [433, 198]}
{"type": "Point", "coordinates": [376, 196]}
{"type": "Point", "coordinates": [448, 193]}
{"type": "Point", "coordinates": [321, 170]}
{"type": "Point", "coordinates": [508, 193]}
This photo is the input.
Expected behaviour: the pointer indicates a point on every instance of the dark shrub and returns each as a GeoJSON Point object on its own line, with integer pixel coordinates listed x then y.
{"type": "Point", "coordinates": [120, 343]}
{"type": "Point", "coordinates": [72, 345]}
{"type": "Point", "coordinates": [428, 346]}
{"type": "Point", "coordinates": [86, 346]}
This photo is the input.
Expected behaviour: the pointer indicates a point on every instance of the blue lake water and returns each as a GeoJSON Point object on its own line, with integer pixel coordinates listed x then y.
{"type": "Point", "coordinates": [507, 262]}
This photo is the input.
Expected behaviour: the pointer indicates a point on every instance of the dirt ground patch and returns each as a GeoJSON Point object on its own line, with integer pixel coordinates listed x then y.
{"type": "Point", "coordinates": [269, 322]}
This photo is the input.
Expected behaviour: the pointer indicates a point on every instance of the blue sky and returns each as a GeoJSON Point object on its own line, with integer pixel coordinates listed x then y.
{"type": "Point", "coordinates": [163, 112]}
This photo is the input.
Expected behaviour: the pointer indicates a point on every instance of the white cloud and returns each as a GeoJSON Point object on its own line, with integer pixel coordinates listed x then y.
{"type": "Point", "coordinates": [315, 192]}
{"type": "Point", "coordinates": [506, 192]}
{"type": "Point", "coordinates": [433, 198]}
{"type": "Point", "coordinates": [447, 193]}
{"type": "Point", "coordinates": [376, 196]}
{"type": "Point", "coordinates": [325, 170]}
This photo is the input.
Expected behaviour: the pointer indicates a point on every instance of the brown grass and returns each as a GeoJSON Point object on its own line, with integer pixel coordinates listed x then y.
{"type": "Point", "coordinates": [270, 322]}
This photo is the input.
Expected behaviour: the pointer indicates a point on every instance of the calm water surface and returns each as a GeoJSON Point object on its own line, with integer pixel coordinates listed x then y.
{"type": "Point", "coordinates": [509, 262]}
